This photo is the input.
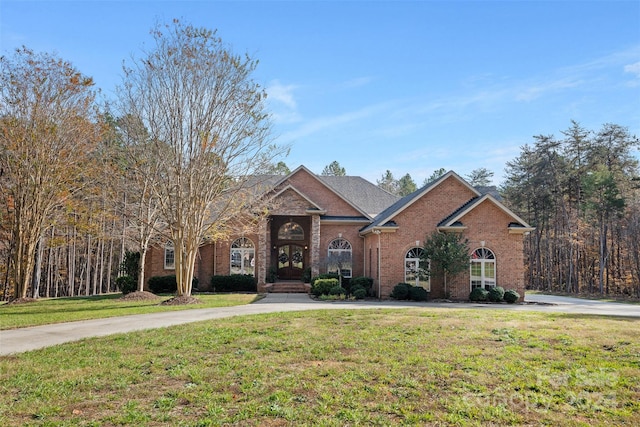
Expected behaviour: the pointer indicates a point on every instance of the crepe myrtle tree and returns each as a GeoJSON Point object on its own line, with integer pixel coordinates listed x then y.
{"type": "Point", "coordinates": [446, 253]}
{"type": "Point", "coordinates": [207, 132]}
{"type": "Point", "coordinates": [49, 131]}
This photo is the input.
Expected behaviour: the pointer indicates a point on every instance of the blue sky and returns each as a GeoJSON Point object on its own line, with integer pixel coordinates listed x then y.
{"type": "Point", "coordinates": [408, 86]}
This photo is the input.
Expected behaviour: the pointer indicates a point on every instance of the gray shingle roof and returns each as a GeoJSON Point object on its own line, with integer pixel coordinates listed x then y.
{"type": "Point", "coordinates": [361, 193]}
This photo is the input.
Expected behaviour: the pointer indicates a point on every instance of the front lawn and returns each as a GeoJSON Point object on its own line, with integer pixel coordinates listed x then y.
{"type": "Point", "coordinates": [419, 366]}
{"type": "Point", "coordinates": [56, 310]}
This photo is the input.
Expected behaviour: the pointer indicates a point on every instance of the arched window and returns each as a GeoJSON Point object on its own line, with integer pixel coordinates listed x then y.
{"type": "Point", "coordinates": [415, 272]}
{"type": "Point", "coordinates": [243, 257]}
{"type": "Point", "coordinates": [483, 269]}
{"type": "Point", "coordinates": [291, 231]}
{"type": "Point", "coordinates": [339, 257]}
{"type": "Point", "coordinates": [169, 256]}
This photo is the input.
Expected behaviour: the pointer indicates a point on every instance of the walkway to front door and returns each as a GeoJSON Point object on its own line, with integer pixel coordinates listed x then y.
{"type": "Point", "coordinates": [290, 262]}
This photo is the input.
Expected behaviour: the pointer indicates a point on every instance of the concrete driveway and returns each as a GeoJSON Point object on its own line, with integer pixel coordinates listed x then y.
{"type": "Point", "coordinates": [25, 339]}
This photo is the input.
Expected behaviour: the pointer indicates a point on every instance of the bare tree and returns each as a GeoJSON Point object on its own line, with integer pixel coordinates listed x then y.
{"type": "Point", "coordinates": [47, 135]}
{"type": "Point", "coordinates": [208, 132]}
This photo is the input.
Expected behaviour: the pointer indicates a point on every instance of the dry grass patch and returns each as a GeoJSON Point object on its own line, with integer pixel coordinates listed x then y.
{"type": "Point", "coordinates": [335, 368]}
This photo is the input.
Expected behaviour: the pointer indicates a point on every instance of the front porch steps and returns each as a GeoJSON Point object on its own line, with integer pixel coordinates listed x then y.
{"type": "Point", "coordinates": [290, 287]}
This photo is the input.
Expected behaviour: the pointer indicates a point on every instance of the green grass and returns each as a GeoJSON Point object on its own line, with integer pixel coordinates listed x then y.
{"type": "Point", "coordinates": [363, 367]}
{"type": "Point", "coordinates": [56, 310]}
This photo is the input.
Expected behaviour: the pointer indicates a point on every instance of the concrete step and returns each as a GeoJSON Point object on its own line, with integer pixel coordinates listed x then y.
{"type": "Point", "coordinates": [290, 287]}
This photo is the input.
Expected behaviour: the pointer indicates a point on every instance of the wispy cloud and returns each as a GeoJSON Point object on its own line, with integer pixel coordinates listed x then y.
{"type": "Point", "coordinates": [326, 123]}
{"type": "Point", "coordinates": [283, 103]}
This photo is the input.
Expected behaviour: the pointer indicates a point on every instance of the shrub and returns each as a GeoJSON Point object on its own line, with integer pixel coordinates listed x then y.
{"type": "Point", "coordinates": [323, 286]}
{"type": "Point", "coordinates": [359, 293]}
{"type": "Point", "coordinates": [130, 264]}
{"type": "Point", "coordinates": [233, 283]}
{"type": "Point", "coordinates": [418, 293]}
{"type": "Point", "coordinates": [324, 276]}
{"type": "Point", "coordinates": [511, 296]}
{"type": "Point", "coordinates": [479, 294]}
{"type": "Point", "coordinates": [361, 281]}
{"type": "Point", "coordinates": [306, 275]}
{"type": "Point", "coordinates": [126, 284]}
{"type": "Point", "coordinates": [496, 294]}
{"type": "Point", "coordinates": [167, 284]}
{"type": "Point", "coordinates": [163, 284]}
{"type": "Point", "coordinates": [401, 291]}
{"type": "Point", "coordinates": [337, 290]}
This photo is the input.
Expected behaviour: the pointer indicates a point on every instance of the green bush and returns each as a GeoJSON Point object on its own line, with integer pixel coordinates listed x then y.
{"type": "Point", "coordinates": [323, 286]}
{"type": "Point", "coordinates": [511, 296]}
{"type": "Point", "coordinates": [337, 290]}
{"type": "Point", "coordinates": [496, 294]}
{"type": "Point", "coordinates": [167, 284]}
{"type": "Point", "coordinates": [401, 291]}
{"type": "Point", "coordinates": [418, 293]}
{"type": "Point", "coordinates": [359, 293]}
{"type": "Point", "coordinates": [325, 276]}
{"type": "Point", "coordinates": [163, 284]}
{"type": "Point", "coordinates": [130, 264]}
{"type": "Point", "coordinates": [233, 283]}
{"type": "Point", "coordinates": [479, 294]}
{"type": "Point", "coordinates": [126, 284]}
{"type": "Point", "coordinates": [306, 275]}
{"type": "Point", "coordinates": [361, 281]}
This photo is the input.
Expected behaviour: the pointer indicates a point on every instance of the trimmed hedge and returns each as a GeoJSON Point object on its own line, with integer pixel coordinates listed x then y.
{"type": "Point", "coordinates": [337, 290]}
{"type": "Point", "coordinates": [418, 293]}
{"type": "Point", "coordinates": [400, 291]}
{"type": "Point", "coordinates": [167, 284]}
{"type": "Point", "coordinates": [323, 286]}
{"type": "Point", "coordinates": [405, 291]}
{"type": "Point", "coordinates": [511, 296]}
{"type": "Point", "coordinates": [359, 293]}
{"type": "Point", "coordinates": [363, 282]}
{"type": "Point", "coordinates": [233, 283]}
{"type": "Point", "coordinates": [496, 294]}
{"type": "Point", "coordinates": [479, 294]}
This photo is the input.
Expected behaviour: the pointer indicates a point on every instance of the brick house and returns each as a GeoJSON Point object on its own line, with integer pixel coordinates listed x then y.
{"type": "Point", "coordinates": [323, 223]}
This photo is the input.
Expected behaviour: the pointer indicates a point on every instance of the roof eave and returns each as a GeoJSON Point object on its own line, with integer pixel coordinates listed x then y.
{"type": "Point", "coordinates": [520, 230]}
{"type": "Point", "coordinates": [452, 229]}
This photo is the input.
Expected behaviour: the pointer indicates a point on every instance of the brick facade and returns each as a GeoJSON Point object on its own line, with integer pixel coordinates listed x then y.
{"type": "Point", "coordinates": [379, 244]}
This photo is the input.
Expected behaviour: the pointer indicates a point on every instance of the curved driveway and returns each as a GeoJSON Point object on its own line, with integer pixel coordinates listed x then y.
{"type": "Point", "coordinates": [25, 339]}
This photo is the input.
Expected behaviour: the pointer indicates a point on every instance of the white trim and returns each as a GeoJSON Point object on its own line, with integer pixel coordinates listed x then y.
{"type": "Point", "coordinates": [168, 245]}
{"type": "Point", "coordinates": [495, 202]}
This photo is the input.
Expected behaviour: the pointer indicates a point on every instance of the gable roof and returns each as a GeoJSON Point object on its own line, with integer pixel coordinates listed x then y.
{"type": "Point", "coordinates": [517, 225]}
{"type": "Point", "coordinates": [367, 196]}
{"type": "Point", "coordinates": [385, 218]}
{"type": "Point", "coordinates": [357, 192]}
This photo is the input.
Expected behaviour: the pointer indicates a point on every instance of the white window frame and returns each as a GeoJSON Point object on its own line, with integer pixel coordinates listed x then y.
{"type": "Point", "coordinates": [246, 250]}
{"type": "Point", "coordinates": [482, 258]}
{"type": "Point", "coordinates": [169, 256]}
{"type": "Point", "coordinates": [412, 260]}
{"type": "Point", "coordinates": [339, 247]}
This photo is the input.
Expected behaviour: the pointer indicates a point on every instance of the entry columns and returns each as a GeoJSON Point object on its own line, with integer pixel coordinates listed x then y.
{"type": "Point", "coordinates": [315, 245]}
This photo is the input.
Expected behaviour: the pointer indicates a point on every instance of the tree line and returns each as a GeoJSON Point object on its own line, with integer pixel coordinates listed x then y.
{"type": "Point", "coordinates": [169, 160]}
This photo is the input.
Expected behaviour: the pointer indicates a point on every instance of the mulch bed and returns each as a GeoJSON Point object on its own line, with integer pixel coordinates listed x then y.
{"type": "Point", "coordinates": [182, 300]}
{"type": "Point", "coordinates": [138, 296]}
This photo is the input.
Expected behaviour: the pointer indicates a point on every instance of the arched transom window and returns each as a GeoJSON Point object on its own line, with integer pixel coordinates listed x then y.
{"type": "Point", "coordinates": [415, 272]}
{"type": "Point", "coordinates": [483, 269]}
{"type": "Point", "coordinates": [291, 231]}
{"type": "Point", "coordinates": [169, 256]}
{"type": "Point", "coordinates": [339, 257]}
{"type": "Point", "coordinates": [243, 256]}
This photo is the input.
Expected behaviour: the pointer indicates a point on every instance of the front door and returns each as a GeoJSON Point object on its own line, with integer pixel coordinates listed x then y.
{"type": "Point", "coordinates": [290, 262]}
